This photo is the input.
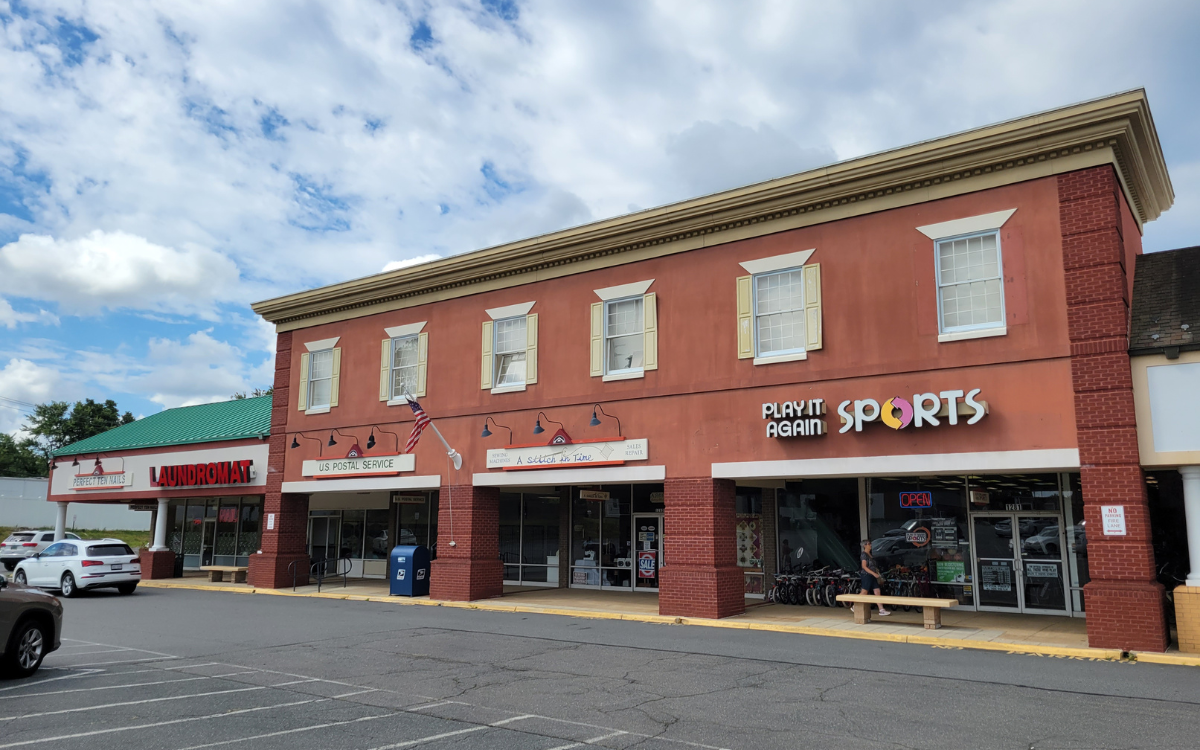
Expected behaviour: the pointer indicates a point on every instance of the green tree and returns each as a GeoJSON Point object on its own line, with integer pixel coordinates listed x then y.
{"type": "Point", "coordinates": [57, 424]}
{"type": "Point", "coordinates": [20, 458]}
{"type": "Point", "coordinates": [254, 393]}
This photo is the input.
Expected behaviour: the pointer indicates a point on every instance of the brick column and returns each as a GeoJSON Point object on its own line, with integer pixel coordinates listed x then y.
{"type": "Point", "coordinates": [471, 569]}
{"type": "Point", "coordinates": [287, 543]}
{"type": "Point", "coordinates": [157, 564]}
{"type": "Point", "coordinates": [1124, 601]}
{"type": "Point", "coordinates": [700, 576]}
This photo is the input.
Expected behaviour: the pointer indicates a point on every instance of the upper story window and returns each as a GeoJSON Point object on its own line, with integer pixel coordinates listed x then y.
{"type": "Point", "coordinates": [509, 359]}
{"type": "Point", "coordinates": [779, 308]}
{"type": "Point", "coordinates": [970, 286]}
{"type": "Point", "coordinates": [624, 331]}
{"type": "Point", "coordinates": [404, 366]}
{"type": "Point", "coordinates": [320, 373]}
{"type": "Point", "coordinates": [320, 379]}
{"type": "Point", "coordinates": [779, 312]}
{"type": "Point", "coordinates": [623, 336]}
{"type": "Point", "coordinates": [970, 275]}
{"type": "Point", "coordinates": [402, 363]}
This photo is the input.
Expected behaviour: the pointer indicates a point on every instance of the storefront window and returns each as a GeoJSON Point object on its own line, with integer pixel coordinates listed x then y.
{"type": "Point", "coordinates": [352, 534]}
{"type": "Point", "coordinates": [510, 535]}
{"type": "Point", "coordinates": [818, 524]}
{"type": "Point", "coordinates": [1008, 492]}
{"type": "Point", "coordinates": [1077, 561]}
{"type": "Point", "coordinates": [225, 546]}
{"type": "Point", "coordinates": [920, 535]}
{"type": "Point", "coordinates": [176, 526]}
{"type": "Point", "coordinates": [749, 541]}
{"type": "Point", "coordinates": [193, 530]}
{"type": "Point", "coordinates": [376, 545]}
{"type": "Point", "coordinates": [539, 538]}
{"type": "Point", "coordinates": [248, 533]}
{"type": "Point", "coordinates": [585, 540]}
{"type": "Point", "coordinates": [616, 536]}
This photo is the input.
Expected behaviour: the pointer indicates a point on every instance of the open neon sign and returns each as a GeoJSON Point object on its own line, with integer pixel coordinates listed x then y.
{"type": "Point", "coordinates": [916, 499]}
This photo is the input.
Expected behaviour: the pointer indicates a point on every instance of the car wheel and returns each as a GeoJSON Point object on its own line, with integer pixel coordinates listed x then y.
{"type": "Point", "coordinates": [68, 587]}
{"type": "Point", "coordinates": [20, 578]}
{"type": "Point", "coordinates": [29, 643]}
{"type": "Point", "coordinates": [127, 588]}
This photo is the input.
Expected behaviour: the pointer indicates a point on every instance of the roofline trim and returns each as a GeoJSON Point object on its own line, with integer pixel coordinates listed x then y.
{"type": "Point", "coordinates": [1117, 130]}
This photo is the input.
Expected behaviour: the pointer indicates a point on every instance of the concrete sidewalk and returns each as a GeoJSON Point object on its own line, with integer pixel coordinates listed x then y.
{"type": "Point", "coordinates": [1027, 634]}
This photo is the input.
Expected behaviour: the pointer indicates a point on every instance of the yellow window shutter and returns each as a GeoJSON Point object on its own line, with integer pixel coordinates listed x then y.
{"type": "Point", "coordinates": [485, 379]}
{"type": "Point", "coordinates": [650, 331]}
{"type": "Point", "coordinates": [385, 371]}
{"type": "Point", "coordinates": [812, 306]}
{"type": "Point", "coordinates": [337, 376]}
{"type": "Point", "coordinates": [302, 400]}
{"type": "Point", "coordinates": [531, 349]}
{"type": "Point", "coordinates": [745, 318]}
{"type": "Point", "coordinates": [597, 339]}
{"type": "Point", "coordinates": [422, 359]}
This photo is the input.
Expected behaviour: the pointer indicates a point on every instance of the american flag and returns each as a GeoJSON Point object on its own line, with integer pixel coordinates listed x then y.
{"type": "Point", "coordinates": [418, 426]}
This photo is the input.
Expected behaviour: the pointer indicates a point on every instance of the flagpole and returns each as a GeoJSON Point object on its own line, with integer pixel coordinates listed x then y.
{"type": "Point", "coordinates": [454, 455]}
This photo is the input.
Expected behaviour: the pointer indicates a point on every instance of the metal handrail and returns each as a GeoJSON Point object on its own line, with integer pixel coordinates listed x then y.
{"type": "Point", "coordinates": [292, 568]}
{"type": "Point", "coordinates": [320, 571]}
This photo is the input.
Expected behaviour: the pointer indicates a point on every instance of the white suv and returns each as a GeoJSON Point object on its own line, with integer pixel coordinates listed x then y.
{"type": "Point", "coordinates": [23, 544]}
{"type": "Point", "coordinates": [73, 565]}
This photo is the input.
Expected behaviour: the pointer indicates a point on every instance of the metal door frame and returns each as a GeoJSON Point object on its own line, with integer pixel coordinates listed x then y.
{"type": "Point", "coordinates": [633, 545]}
{"type": "Point", "coordinates": [1019, 562]}
{"type": "Point", "coordinates": [204, 535]}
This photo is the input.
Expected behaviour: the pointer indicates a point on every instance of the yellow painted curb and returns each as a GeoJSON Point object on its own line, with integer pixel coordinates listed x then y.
{"type": "Point", "coordinates": [919, 640]}
{"type": "Point", "coordinates": [1180, 660]}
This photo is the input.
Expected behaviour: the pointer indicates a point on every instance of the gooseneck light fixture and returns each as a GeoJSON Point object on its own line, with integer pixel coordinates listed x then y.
{"type": "Point", "coordinates": [596, 420]}
{"type": "Point", "coordinates": [296, 443]}
{"type": "Point", "coordinates": [371, 439]}
{"type": "Point", "coordinates": [538, 429]}
{"type": "Point", "coordinates": [488, 433]}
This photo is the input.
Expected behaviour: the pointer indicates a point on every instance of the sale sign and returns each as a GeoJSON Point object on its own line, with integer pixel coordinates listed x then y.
{"type": "Point", "coordinates": [647, 563]}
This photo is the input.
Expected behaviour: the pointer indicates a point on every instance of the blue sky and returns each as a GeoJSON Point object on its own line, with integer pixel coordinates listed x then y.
{"type": "Point", "coordinates": [163, 165]}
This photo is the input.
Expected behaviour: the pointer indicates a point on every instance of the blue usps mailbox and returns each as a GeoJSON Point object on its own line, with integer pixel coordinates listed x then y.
{"type": "Point", "coordinates": [408, 570]}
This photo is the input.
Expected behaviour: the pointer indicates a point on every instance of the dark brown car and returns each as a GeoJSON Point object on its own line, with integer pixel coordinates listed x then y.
{"type": "Point", "coordinates": [30, 628]}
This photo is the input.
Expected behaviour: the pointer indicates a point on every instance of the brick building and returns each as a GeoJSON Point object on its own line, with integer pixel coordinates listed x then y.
{"type": "Point", "coordinates": [925, 347]}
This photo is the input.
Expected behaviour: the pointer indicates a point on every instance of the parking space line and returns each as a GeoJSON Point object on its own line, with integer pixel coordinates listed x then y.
{"type": "Point", "coordinates": [297, 730]}
{"type": "Point", "coordinates": [356, 692]}
{"type": "Point", "coordinates": [131, 703]}
{"type": "Point", "coordinates": [502, 722]}
{"type": "Point", "coordinates": [430, 738]}
{"type": "Point", "coordinates": [594, 740]}
{"type": "Point", "coordinates": [108, 687]}
{"type": "Point", "coordinates": [435, 705]}
{"type": "Point", "coordinates": [122, 661]}
{"type": "Point", "coordinates": [296, 682]}
{"type": "Point", "coordinates": [567, 747]}
{"type": "Point", "coordinates": [85, 673]}
{"type": "Point", "coordinates": [169, 722]}
{"type": "Point", "coordinates": [114, 645]}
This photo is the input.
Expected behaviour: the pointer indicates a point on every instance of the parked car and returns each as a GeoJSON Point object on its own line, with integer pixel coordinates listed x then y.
{"type": "Point", "coordinates": [23, 544]}
{"type": "Point", "coordinates": [30, 628]}
{"type": "Point", "coordinates": [75, 565]}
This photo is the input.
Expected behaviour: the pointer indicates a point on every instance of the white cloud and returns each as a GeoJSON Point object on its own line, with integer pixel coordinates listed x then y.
{"type": "Point", "coordinates": [27, 381]}
{"type": "Point", "coordinates": [398, 264]}
{"type": "Point", "coordinates": [116, 270]}
{"type": "Point", "coordinates": [9, 318]}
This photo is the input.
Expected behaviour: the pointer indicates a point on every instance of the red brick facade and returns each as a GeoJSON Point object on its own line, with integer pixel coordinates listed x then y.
{"type": "Point", "coordinates": [700, 576]}
{"type": "Point", "coordinates": [159, 564]}
{"type": "Point", "coordinates": [468, 563]}
{"type": "Point", "coordinates": [283, 550]}
{"type": "Point", "coordinates": [1124, 602]}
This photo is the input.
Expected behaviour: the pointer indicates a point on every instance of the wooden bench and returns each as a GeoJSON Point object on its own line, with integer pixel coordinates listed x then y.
{"type": "Point", "coordinates": [932, 608]}
{"type": "Point", "coordinates": [216, 573]}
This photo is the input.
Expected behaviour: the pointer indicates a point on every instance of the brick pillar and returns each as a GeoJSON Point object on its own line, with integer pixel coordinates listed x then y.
{"type": "Point", "coordinates": [157, 564]}
{"type": "Point", "coordinates": [1124, 601]}
{"type": "Point", "coordinates": [471, 569]}
{"type": "Point", "coordinates": [700, 576]}
{"type": "Point", "coordinates": [287, 543]}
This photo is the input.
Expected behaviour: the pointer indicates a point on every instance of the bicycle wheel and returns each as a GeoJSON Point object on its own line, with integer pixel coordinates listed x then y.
{"type": "Point", "coordinates": [810, 596]}
{"type": "Point", "coordinates": [831, 596]}
{"type": "Point", "coordinates": [790, 593]}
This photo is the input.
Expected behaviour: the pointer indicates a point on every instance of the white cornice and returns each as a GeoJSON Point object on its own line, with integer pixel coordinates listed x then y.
{"type": "Point", "coordinates": [1116, 130]}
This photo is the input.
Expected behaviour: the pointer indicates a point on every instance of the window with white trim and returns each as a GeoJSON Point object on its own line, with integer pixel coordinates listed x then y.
{"type": "Point", "coordinates": [624, 336]}
{"type": "Point", "coordinates": [405, 363]}
{"type": "Point", "coordinates": [779, 312]}
{"type": "Point", "coordinates": [970, 283]}
{"type": "Point", "coordinates": [320, 379]}
{"type": "Point", "coordinates": [509, 352]}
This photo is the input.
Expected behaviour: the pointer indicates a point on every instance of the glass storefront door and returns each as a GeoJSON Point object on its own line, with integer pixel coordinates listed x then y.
{"type": "Point", "coordinates": [208, 540]}
{"type": "Point", "coordinates": [323, 536]}
{"type": "Point", "coordinates": [1019, 562]}
{"type": "Point", "coordinates": [647, 551]}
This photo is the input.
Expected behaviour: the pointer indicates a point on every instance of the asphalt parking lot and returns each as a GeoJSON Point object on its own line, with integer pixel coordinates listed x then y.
{"type": "Point", "coordinates": [194, 669]}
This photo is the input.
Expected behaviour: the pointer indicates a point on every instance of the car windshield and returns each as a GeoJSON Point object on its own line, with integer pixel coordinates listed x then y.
{"type": "Point", "coordinates": [20, 537]}
{"type": "Point", "coordinates": [109, 550]}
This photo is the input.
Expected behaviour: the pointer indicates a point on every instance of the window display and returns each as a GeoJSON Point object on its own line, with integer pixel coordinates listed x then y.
{"type": "Point", "coordinates": [818, 524]}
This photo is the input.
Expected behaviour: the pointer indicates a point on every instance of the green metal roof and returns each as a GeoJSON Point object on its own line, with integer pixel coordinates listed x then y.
{"type": "Point", "coordinates": [227, 420]}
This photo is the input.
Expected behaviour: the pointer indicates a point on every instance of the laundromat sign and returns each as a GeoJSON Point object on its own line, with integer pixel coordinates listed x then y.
{"type": "Point", "coordinates": [791, 419]}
